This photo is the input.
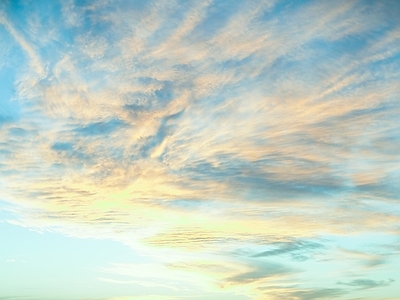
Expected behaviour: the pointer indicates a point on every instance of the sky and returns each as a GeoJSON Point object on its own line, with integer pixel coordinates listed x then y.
{"type": "Point", "coordinates": [199, 149]}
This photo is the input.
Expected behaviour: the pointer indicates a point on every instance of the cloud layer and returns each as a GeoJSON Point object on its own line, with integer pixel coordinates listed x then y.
{"type": "Point", "coordinates": [238, 143]}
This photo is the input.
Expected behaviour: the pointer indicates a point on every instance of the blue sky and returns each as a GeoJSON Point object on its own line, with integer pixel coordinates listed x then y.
{"type": "Point", "coordinates": [199, 149]}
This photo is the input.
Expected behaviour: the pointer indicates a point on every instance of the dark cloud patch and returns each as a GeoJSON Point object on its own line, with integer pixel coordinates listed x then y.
{"type": "Point", "coordinates": [100, 128]}
{"type": "Point", "coordinates": [261, 271]}
{"type": "Point", "coordinates": [136, 102]}
{"type": "Point", "coordinates": [135, 108]}
{"type": "Point", "coordinates": [384, 189]}
{"type": "Point", "coordinates": [298, 250]}
{"type": "Point", "coordinates": [385, 141]}
{"type": "Point", "coordinates": [378, 261]}
{"type": "Point", "coordinates": [262, 177]}
{"type": "Point", "coordinates": [367, 283]}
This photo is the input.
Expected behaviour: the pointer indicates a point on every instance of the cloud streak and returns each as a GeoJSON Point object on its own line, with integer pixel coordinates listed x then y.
{"type": "Point", "coordinates": [367, 283]}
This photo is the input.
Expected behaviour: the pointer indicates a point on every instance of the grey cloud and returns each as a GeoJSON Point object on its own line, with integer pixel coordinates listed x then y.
{"type": "Point", "coordinates": [260, 177]}
{"type": "Point", "coordinates": [263, 270]}
{"type": "Point", "coordinates": [367, 283]}
{"type": "Point", "coordinates": [374, 262]}
{"type": "Point", "coordinates": [299, 250]}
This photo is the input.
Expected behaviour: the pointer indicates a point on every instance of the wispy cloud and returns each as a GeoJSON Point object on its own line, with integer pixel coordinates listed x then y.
{"type": "Point", "coordinates": [35, 62]}
{"type": "Point", "coordinates": [367, 283]}
{"type": "Point", "coordinates": [317, 294]}
{"type": "Point", "coordinates": [298, 249]}
{"type": "Point", "coordinates": [201, 132]}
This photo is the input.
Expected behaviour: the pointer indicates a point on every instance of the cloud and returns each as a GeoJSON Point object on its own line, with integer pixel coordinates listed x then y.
{"type": "Point", "coordinates": [202, 128]}
{"type": "Point", "coordinates": [35, 60]}
{"type": "Point", "coordinates": [367, 283]}
{"type": "Point", "coordinates": [262, 271]}
{"type": "Point", "coordinates": [318, 294]}
{"type": "Point", "coordinates": [298, 249]}
{"type": "Point", "coordinates": [366, 259]}
{"type": "Point", "coordinates": [161, 297]}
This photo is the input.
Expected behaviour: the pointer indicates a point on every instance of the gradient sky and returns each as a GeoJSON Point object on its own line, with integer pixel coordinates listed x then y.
{"type": "Point", "coordinates": [199, 149]}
